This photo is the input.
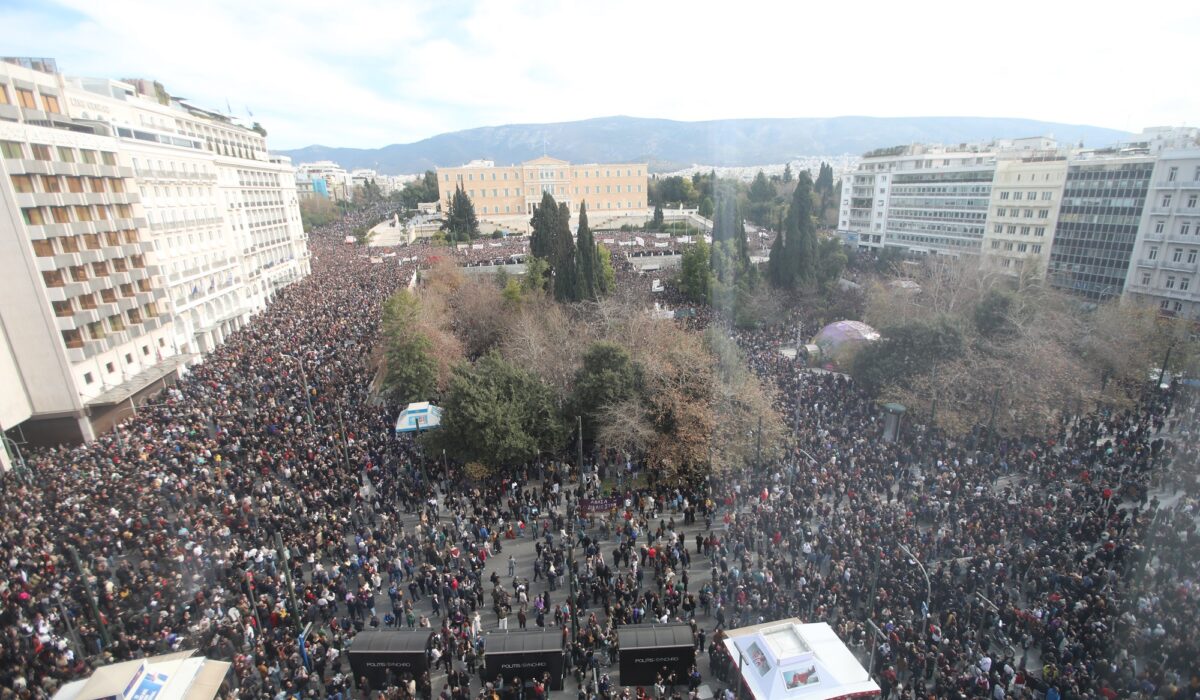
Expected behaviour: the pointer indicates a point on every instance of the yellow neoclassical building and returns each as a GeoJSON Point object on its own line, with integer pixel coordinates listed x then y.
{"type": "Point", "coordinates": [500, 192]}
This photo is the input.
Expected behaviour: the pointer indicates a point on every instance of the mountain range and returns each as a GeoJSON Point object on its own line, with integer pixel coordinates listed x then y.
{"type": "Point", "coordinates": [668, 145]}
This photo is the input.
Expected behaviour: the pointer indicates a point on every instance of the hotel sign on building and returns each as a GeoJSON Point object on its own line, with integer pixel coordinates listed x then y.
{"type": "Point", "coordinates": [515, 190]}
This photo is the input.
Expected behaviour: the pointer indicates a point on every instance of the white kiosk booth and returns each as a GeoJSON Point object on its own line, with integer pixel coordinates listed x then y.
{"type": "Point", "coordinates": [791, 660]}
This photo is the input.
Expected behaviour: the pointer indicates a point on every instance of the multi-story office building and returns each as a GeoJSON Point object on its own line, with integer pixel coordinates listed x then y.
{"type": "Point", "coordinates": [84, 317]}
{"type": "Point", "coordinates": [1023, 212]}
{"type": "Point", "coordinates": [925, 199]}
{"type": "Point", "coordinates": [157, 228]}
{"type": "Point", "coordinates": [1167, 252]}
{"type": "Point", "coordinates": [1103, 196]}
{"type": "Point", "coordinates": [223, 214]}
{"type": "Point", "coordinates": [515, 190]}
{"type": "Point", "coordinates": [329, 179]}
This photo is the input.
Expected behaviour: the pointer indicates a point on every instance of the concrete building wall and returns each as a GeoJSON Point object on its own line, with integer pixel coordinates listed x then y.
{"type": "Point", "coordinates": [511, 191]}
{"type": "Point", "coordinates": [1166, 255]}
{"type": "Point", "coordinates": [1022, 214]}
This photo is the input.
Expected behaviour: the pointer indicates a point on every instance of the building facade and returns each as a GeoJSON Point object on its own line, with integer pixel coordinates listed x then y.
{"type": "Point", "coordinates": [924, 199]}
{"type": "Point", "coordinates": [515, 190]}
{"type": "Point", "coordinates": [329, 179]}
{"type": "Point", "coordinates": [155, 228]}
{"type": "Point", "coordinates": [1103, 197]}
{"type": "Point", "coordinates": [1023, 213]}
{"type": "Point", "coordinates": [84, 314]}
{"type": "Point", "coordinates": [223, 214]}
{"type": "Point", "coordinates": [1167, 251]}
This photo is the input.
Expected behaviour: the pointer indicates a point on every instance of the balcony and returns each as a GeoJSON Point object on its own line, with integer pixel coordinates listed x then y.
{"type": "Point", "coordinates": [67, 323]}
{"type": "Point", "coordinates": [47, 264]}
{"type": "Point", "coordinates": [85, 316]}
{"type": "Point", "coordinates": [65, 260]}
{"type": "Point", "coordinates": [66, 291]}
{"type": "Point", "coordinates": [1177, 266]}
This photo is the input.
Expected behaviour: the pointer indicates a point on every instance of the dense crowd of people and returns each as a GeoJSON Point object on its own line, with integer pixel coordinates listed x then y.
{"type": "Point", "coordinates": [267, 489]}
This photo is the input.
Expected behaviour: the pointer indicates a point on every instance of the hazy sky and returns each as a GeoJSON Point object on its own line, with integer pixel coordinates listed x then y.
{"type": "Point", "coordinates": [369, 73]}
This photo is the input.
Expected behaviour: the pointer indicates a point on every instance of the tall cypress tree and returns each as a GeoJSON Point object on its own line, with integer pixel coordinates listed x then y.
{"type": "Point", "coordinates": [562, 256]}
{"type": "Point", "coordinates": [545, 216]}
{"type": "Point", "coordinates": [801, 244]}
{"type": "Point", "coordinates": [589, 268]}
{"type": "Point", "coordinates": [460, 220]}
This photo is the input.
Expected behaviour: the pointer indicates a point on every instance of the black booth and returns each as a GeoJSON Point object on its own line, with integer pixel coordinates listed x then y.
{"type": "Point", "coordinates": [646, 649]}
{"type": "Point", "coordinates": [385, 656]}
{"type": "Point", "coordinates": [525, 655]}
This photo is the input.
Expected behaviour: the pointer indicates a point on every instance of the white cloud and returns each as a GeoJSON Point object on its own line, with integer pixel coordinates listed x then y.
{"type": "Point", "coordinates": [377, 72]}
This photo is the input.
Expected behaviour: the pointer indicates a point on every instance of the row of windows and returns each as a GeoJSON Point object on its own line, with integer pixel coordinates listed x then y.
{"type": "Point", "coordinates": [98, 330]}
{"type": "Point", "coordinates": [544, 175]}
{"type": "Point", "coordinates": [66, 154]}
{"type": "Point", "coordinates": [1047, 196]}
{"type": "Point", "coordinates": [26, 98]}
{"type": "Point", "coordinates": [40, 216]}
{"type": "Point", "coordinates": [916, 226]}
{"type": "Point", "coordinates": [1177, 254]}
{"type": "Point", "coordinates": [87, 301]}
{"type": "Point", "coordinates": [111, 369]}
{"type": "Point", "coordinates": [48, 247]}
{"type": "Point", "coordinates": [587, 189]}
{"type": "Point", "coordinates": [937, 241]}
{"type": "Point", "coordinates": [1020, 247]}
{"type": "Point", "coordinates": [1012, 229]}
{"type": "Point", "coordinates": [1191, 200]}
{"type": "Point", "coordinates": [30, 184]}
{"type": "Point", "coordinates": [628, 205]}
{"type": "Point", "coordinates": [1183, 284]}
{"type": "Point", "coordinates": [901, 190]}
{"type": "Point", "coordinates": [1185, 227]}
{"type": "Point", "coordinates": [936, 215]}
{"type": "Point", "coordinates": [1173, 173]}
{"type": "Point", "coordinates": [1023, 213]}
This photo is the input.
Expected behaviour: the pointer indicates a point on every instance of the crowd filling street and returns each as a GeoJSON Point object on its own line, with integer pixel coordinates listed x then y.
{"type": "Point", "coordinates": [267, 490]}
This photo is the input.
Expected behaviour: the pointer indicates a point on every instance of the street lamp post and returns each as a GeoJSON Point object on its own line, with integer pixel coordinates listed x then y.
{"type": "Point", "coordinates": [304, 380]}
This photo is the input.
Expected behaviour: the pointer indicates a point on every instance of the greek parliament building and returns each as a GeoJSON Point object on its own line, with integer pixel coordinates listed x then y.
{"type": "Point", "coordinates": [137, 231]}
{"type": "Point", "coordinates": [507, 195]}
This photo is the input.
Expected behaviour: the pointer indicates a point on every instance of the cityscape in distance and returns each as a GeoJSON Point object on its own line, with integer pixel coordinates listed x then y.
{"type": "Point", "coordinates": [350, 352]}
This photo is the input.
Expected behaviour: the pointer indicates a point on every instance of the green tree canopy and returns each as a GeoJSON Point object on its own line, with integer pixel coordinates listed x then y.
{"type": "Point", "coordinates": [409, 369]}
{"type": "Point", "coordinates": [461, 223]}
{"type": "Point", "coordinates": [607, 377]}
{"type": "Point", "coordinates": [760, 189]}
{"type": "Point", "coordinates": [695, 276]}
{"type": "Point", "coordinates": [564, 269]}
{"type": "Point", "coordinates": [607, 276]}
{"type": "Point", "coordinates": [794, 254]}
{"type": "Point", "coordinates": [497, 414]}
{"type": "Point", "coordinates": [588, 259]}
{"type": "Point", "coordinates": [907, 350]}
{"type": "Point", "coordinates": [543, 225]}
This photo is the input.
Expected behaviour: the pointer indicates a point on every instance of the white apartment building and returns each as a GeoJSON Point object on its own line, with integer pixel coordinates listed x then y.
{"type": "Point", "coordinates": [336, 181]}
{"type": "Point", "coordinates": [1023, 212]}
{"type": "Point", "coordinates": [1166, 255]}
{"type": "Point", "coordinates": [84, 322]}
{"type": "Point", "coordinates": [222, 213]}
{"type": "Point", "coordinates": [927, 199]}
{"type": "Point", "coordinates": [156, 229]}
